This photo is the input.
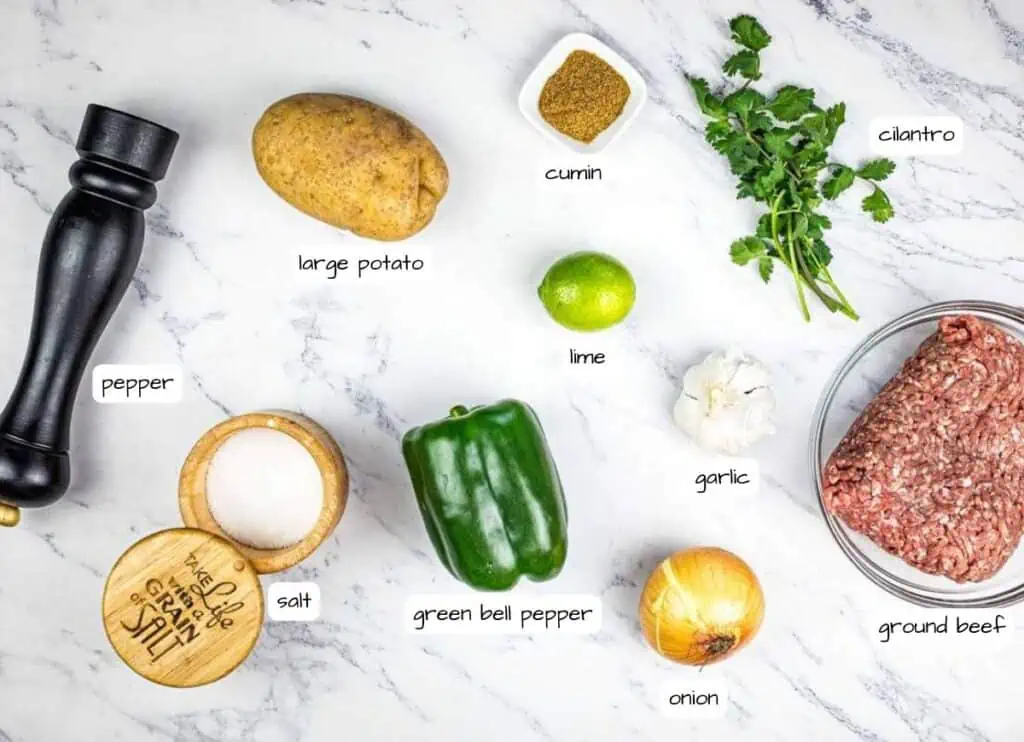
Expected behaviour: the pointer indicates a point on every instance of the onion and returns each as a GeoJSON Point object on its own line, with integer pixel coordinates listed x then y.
{"type": "Point", "coordinates": [700, 606]}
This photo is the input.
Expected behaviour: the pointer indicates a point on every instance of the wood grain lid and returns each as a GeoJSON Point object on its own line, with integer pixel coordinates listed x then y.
{"type": "Point", "coordinates": [183, 607]}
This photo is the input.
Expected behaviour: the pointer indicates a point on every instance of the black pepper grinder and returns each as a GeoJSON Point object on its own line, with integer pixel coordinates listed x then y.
{"type": "Point", "coordinates": [89, 255]}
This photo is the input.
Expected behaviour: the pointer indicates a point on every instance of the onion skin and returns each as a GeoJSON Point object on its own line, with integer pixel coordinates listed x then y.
{"type": "Point", "coordinates": [701, 606]}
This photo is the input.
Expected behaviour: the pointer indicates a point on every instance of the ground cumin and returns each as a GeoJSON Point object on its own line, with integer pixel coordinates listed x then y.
{"type": "Point", "coordinates": [583, 97]}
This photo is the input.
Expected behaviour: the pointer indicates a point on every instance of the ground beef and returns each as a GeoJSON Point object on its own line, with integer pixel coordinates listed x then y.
{"type": "Point", "coordinates": [932, 470]}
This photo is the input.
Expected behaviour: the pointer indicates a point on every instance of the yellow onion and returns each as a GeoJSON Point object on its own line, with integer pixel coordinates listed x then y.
{"type": "Point", "coordinates": [700, 606]}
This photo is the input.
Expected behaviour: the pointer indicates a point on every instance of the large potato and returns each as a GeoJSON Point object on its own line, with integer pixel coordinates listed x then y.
{"type": "Point", "coordinates": [350, 163]}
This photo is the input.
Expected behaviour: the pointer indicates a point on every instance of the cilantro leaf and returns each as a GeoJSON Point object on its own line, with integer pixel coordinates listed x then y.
{"type": "Point", "coordinates": [746, 31]}
{"type": "Point", "coordinates": [743, 158]}
{"type": "Point", "coordinates": [810, 156]}
{"type": "Point", "coordinates": [743, 101]}
{"type": "Point", "coordinates": [746, 249]}
{"type": "Point", "coordinates": [737, 147]}
{"type": "Point", "coordinates": [816, 127]}
{"type": "Point", "coordinates": [835, 116]}
{"type": "Point", "coordinates": [776, 141]}
{"type": "Point", "coordinates": [809, 198]}
{"type": "Point", "coordinates": [842, 178]}
{"type": "Point", "coordinates": [791, 103]}
{"type": "Point", "coordinates": [709, 103]}
{"type": "Point", "coordinates": [817, 224]}
{"type": "Point", "coordinates": [765, 266]}
{"type": "Point", "coordinates": [745, 63]}
{"type": "Point", "coordinates": [717, 134]}
{"type": "Point", "coordinates": [759, 121]}
{"type": "Point", "coordinates": [766, 183]}
{"type": "Point", "coordinates": [877, 169]}
{"type": "Point", "coordinates": [879, 206]}
{"type": "Point", "coordinates": [822, 254]}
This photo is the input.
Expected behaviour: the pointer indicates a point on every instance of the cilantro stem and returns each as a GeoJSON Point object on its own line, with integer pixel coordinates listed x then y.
{"type": "Point", "coordinates": [791, 261]}
{"type": "Point", "coordinates": [844, 304]}
{"type": "Point", "coordinates": [841, 303]}
{"type": "Point", "coordinates": [830, 302]}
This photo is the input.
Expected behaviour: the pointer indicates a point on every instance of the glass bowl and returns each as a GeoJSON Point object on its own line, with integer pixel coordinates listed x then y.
{"type": "Point", "coordinates": [857, 380]}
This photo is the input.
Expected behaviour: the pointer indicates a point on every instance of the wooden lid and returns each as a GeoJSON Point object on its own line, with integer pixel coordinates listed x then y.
{"type": "Point", "coordinates": [183, 607]}
{"type": "Point", "coordinates": [195, 510]}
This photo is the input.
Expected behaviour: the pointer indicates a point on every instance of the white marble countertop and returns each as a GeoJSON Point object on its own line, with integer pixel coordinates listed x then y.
{"type": "Point", "coordinates": [217, 293]}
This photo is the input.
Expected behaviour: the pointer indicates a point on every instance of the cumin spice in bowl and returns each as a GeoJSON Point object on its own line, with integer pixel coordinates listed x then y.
{"type": "Point", "coordinates": [583, 97]}
{"type": "Point", "coordinates": [582, 94]}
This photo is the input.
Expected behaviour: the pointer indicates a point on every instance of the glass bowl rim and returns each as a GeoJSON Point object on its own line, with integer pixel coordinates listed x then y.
{"type": "Point", "coordinates": [894, 585]}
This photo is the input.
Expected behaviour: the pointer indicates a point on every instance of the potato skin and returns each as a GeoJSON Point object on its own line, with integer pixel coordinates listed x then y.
{"type": "Point", "coordinates": [350, 163]}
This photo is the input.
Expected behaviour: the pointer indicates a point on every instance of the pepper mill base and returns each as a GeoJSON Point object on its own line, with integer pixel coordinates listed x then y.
{"type": "Point", "coordinates": [31, 477]}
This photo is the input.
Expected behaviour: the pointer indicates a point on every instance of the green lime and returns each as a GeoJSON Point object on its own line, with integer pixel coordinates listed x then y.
{"type": "Point", "coordinates": [587, 291]}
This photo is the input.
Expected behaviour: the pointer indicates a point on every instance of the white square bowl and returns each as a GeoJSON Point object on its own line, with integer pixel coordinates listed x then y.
{"type": "Point", "coordinates": [529, 96]}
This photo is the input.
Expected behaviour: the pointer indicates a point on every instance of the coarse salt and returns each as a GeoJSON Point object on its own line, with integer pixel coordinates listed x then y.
{"type": "Point", "coordinates": [264, 488]}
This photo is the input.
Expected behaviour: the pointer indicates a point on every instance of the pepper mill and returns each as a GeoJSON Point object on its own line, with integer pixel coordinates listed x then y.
{"type": "Point", "coordinates": [89, 255]}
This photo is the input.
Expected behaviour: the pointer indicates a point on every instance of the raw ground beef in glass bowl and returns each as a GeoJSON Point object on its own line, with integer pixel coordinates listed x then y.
{"type": "Point", "coordinates": [917, 476]}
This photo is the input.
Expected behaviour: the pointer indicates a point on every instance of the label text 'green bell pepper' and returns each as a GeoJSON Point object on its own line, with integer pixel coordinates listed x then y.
{"type": "Point", "coordinates": [489, 494]}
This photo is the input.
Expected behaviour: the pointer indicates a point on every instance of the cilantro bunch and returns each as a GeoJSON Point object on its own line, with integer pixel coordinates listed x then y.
{"type": "Point", "coordinates": [778, 148]}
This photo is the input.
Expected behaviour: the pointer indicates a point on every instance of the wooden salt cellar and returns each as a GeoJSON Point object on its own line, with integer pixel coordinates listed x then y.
{"type": "Point", "coordinates": [195, 509]}
{"type": "Point", "coordinates": [184, 607]}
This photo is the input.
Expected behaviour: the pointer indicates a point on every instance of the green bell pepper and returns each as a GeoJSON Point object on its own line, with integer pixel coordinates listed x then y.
{"type": "Point", "coordinates": [489, 494]}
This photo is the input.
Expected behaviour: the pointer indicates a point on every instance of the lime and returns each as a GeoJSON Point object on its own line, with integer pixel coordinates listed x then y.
{"type": "Point", "coordinates": [587, 291]}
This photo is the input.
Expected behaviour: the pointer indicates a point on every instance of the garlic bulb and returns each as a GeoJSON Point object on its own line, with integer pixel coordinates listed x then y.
{"type": "Point", "coordinates": [727, 403]}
